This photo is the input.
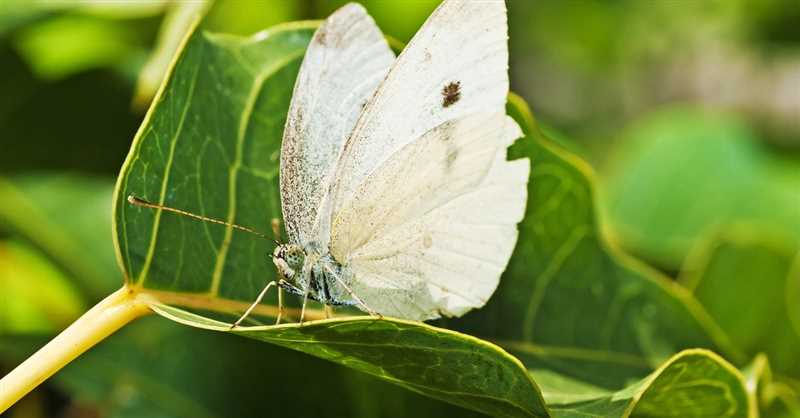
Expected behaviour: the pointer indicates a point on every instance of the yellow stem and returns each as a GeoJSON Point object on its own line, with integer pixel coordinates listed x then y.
{"type": "Point", "coordinates": [111, 314]}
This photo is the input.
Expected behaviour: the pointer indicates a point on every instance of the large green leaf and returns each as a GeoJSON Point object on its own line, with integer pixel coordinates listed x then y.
{"type": "Point", "coordinates": [570, 307]}
{"type": "Point", "coordinates": [436, 362]}
{"type": "Point", "coordinates": [210, 145]}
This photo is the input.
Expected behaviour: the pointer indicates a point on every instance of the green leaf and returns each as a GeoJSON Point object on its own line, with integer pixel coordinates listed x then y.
{"type": "Point", "coordinates": [698, 170]}
{"type": "Point", "coordinates": [210, 145]}
{"type": "Point", "coordinates": [745, 266]}
{"type": "Point", "coordinates": [693, 383]}
{"type": "Point", "coordinates": [433, 361]}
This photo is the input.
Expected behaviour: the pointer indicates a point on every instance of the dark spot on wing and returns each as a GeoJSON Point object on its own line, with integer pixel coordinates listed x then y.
{"type": "Point", "coordinates": [451, 93]}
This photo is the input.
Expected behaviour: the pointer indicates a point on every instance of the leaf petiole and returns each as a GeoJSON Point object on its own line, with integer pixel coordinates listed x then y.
{"type": "Point", "coordinates": [111, 314]}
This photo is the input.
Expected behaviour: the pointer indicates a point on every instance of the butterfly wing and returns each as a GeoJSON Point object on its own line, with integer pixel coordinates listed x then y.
{"type": "Point", "coordinates": [345, 62]}
{"type": "Point", "coordinates": [425, 205]}
{"type": "Point", "coordinates": [432, 229]}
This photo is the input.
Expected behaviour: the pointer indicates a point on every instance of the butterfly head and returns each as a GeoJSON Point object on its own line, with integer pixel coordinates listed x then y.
{"type": "Point", "coordinates": [288, 259]}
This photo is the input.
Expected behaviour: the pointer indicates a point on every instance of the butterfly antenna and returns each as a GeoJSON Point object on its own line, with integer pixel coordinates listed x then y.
{"type": "Point", "coordinates": [133, 200]}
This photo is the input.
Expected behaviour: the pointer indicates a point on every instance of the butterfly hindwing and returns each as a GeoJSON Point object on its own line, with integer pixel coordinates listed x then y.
{"type": "Point", "coordinates": [433, 227]}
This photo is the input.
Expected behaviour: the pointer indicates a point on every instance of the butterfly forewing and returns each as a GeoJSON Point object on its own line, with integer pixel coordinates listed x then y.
{"type": "Point", "coordinates": [344, 63]}
{"type": "Point", "coordinates": [456, 65]}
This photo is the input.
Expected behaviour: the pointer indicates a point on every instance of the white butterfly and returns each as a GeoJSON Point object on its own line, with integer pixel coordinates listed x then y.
{"type": "Point", "coordinates": [395, 188]}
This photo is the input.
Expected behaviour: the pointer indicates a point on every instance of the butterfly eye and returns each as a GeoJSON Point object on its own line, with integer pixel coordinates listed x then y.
{"type": "Point", "coordinates": [294, 258]}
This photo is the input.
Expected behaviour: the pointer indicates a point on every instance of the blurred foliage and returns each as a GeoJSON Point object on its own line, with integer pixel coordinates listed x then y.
{"type": "Point", "coordinates": [37, 296]}
{"type": "Point", "coordinates": [590, 68]}
{"type": "Point", "coordinates": [66, 217]}
{"type": "Point", "coordinates": [731, 267]}
{"type": "Point", "coordinates": [678, 172]}
{"type": "Point", "coordinates": [689, 111]}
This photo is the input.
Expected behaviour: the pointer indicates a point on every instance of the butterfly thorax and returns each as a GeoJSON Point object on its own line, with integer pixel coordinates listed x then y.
{"type": "Point", "coordinates": [311, 269]}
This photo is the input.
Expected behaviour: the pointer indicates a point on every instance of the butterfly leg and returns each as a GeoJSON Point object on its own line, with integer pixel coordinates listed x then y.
{"type": "Point", "coordinates": [303, 310]}
{"type": "Point", "coordinates": [280, 303]}
{"type": "Point", "coordinates": [352, 294]}
{"type": "Point", "coordinates": [258, 300]}
{"type": "Point", "coordinates": [276, 232]}
{"type": "Point", "coordinates": [328, 311]}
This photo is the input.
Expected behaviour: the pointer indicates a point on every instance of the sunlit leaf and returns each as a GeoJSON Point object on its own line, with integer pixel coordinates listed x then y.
{"type": "Point", "coordinates": [210, 145]}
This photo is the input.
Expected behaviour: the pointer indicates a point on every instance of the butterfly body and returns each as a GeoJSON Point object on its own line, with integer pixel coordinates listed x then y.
{"type": "Point", "coordinates": [311, 270]}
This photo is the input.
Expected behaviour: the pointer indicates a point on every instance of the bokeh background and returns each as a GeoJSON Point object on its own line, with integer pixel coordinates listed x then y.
{"type": "Point", "coordinates": [688, 111]}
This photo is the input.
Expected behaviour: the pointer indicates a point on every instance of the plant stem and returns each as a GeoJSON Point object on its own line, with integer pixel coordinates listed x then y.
{"type": "Point", "coordinates": [102, 320]}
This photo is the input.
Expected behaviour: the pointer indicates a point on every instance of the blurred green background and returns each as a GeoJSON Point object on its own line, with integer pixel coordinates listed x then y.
{"type": "Point", "coordinates": [689, 112]}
